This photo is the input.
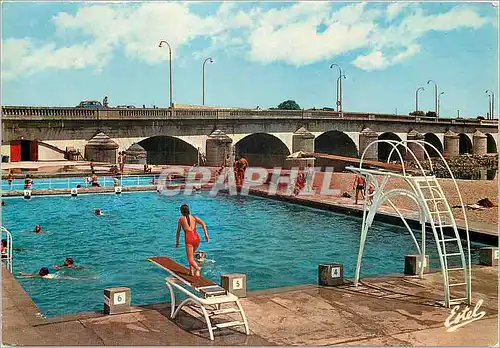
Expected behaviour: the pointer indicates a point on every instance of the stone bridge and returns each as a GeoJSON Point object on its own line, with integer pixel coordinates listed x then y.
{"type": "Point", "coordinates": [266, 137]}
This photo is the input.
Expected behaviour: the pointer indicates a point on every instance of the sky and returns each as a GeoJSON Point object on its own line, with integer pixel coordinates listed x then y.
{"type": "Point", "coordinates": [59, 53]}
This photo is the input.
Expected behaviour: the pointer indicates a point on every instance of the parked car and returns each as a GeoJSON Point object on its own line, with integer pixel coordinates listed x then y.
{"type": "Point", "coordinates": [90, 104]}
{"type": "Point", "coordinates": [126, 106]}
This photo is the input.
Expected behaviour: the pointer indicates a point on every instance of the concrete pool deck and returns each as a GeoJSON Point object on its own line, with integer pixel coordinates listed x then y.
{"type": "Point", "coordinates": [383, 311]}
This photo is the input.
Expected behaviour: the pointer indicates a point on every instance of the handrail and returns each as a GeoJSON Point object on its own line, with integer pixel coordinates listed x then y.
{"type": "Point", "coordinates": [29, 112]}
{"type": "Point", "coordinates": [73, 181]}
{"type": "Point", "coordinates": [8, 259]}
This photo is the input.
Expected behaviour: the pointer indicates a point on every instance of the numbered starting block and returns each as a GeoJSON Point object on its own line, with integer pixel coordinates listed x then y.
{"type": "Point", "coordinates": [27, 194]}
{"type": "Point", "coordinates": [330, 274]}
{"type": "Point", "coordinates": [488, 256]}
{"type": "Point", "coordinates": [118, 190]}
{"type": "Point", "coordinates": [116, 300]}
{"type": "Point", "coordinates": [74, 192]}
{"type": "Point", "coordinates": [235, 283]}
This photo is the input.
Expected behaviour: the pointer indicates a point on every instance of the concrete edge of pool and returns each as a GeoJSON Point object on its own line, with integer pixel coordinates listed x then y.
{"type": "Point", "coordinates": [392, 310]}
{"type": "Point", "coordinates": [478, 232]}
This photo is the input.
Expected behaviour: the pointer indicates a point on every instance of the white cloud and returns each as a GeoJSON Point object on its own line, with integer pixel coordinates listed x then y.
{"type": "Point", "coordinates": [376, 60]}
{"type": "Point", "coordinates": [394, 9]}
{"type": "Point", "coordinates": [298, 34]}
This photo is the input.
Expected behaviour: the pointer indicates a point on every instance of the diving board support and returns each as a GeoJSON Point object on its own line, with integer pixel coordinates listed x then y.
{"type": "Point", "coordinates": [202, 294]}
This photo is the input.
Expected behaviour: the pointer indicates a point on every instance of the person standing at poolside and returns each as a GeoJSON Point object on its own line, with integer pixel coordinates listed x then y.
{"type": "Point", "coordinates": [359, 186]}
{"type": "Point", "coordinates": [94, 180]}
{"type": "Point", "coordinates": [309, 177]}
{"type": "Point", "coordinates": [191, 237]}
{"type": "Point", "coordinates": [28, 182]}
{"type": "Point", "coordinates": [10, 176]}
{"type": "Point", "coordinates": [92, 165]}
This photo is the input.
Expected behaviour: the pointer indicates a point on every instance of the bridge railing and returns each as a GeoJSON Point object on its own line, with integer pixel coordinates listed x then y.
{"type": "Point", "coordinates": [65, 113]}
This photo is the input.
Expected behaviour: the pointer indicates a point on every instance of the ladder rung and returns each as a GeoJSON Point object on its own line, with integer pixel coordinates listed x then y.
{"type": "Point", "coordinates": [454, 254]}
{"type": "Point", "coordinates": [455, 269]}
{"type": "Point", "coordinates": [458, 299]}
{"type": "Point", "coordinates": [429, 186]}
{"type": "Point", "coordinates": [224, 311]}
{"type": "Point", "coordinates": [229, 323]}
{"type": "Point", "coordinates": [447, 240]}
{"type": "Point", "coordinates": [435, 199]}
{"type": "Point", "coordinates": [439, 212]}
{"type": "Point", "coordinates": [436, 224]}
{"type": "Point", "coordinates": [456, 284]}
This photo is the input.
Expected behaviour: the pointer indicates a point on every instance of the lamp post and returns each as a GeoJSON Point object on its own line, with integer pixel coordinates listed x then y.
{"type": "Point", "coordinates": [491, 104]}
{"type": "Point", "coordinates": [170, 66]}
{"type": "Point", "coordinates": [416, 97]}
{"type": "Point", "coordinates": [339, 87]}
{"type": "Point", "coordinates": [435, 97]}
{"type": "Point", "coordinates": [209, 59]}
{"type": "Point", "coordinates": [439, 103]}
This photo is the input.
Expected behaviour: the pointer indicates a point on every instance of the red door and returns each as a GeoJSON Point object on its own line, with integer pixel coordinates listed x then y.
{"type": "Point", "coordinates": [34, 150]}
{"type": "Point", "coordinates": [15, 151]}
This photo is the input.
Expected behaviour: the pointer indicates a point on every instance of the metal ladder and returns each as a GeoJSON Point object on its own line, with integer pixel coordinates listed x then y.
{"type": "Point", "coordinates": [439, 215]}
{"type": "Point", "coordinates": [7, 254]}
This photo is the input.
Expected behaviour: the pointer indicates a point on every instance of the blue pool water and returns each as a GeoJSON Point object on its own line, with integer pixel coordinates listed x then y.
{"type": "Point", "coordinates": [42, 183]}
{"type": "Point", "coordinates": [274, 243]}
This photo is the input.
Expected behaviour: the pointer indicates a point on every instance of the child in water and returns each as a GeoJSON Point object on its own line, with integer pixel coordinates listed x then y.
{"type": "Point", "coordinates": [68, 263]}
{"type": "Point", "coordinates": [191, 237]}
{"type": "Point", "coordinates": [43, 273]}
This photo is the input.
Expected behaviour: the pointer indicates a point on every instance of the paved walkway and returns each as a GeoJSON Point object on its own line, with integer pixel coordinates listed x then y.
{"type": "Point", "coordinates": [389, 310]}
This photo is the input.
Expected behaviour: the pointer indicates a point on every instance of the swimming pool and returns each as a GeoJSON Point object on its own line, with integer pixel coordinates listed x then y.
{"type": "Point", "coordinates": [48, 183]}
{"type": "Point", "coordinates": [274, 243]}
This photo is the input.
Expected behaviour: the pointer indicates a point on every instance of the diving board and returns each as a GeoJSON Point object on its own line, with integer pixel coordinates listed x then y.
{"type": "Point", "coordinates": [209, 299]}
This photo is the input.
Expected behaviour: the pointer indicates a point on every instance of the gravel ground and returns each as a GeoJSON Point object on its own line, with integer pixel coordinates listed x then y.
{"type": "Point", "coordinates": [471, 191]}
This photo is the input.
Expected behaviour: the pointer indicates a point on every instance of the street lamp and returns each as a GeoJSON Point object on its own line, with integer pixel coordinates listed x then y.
{"type": "Point", "coordinates": [339, 87]}
{"type": "Point", "coordinates": [491, 104]}
{"type": "Point", "coordinates": [209, 59]}
{"type": "Point", "coordinates": [170, 66]}
{"type": "Point", "coordinates": [416, 97]}
{"type": "Point", "coordinates": [439, 103]}
{"type": "Point", "coordinates": [435, 97]}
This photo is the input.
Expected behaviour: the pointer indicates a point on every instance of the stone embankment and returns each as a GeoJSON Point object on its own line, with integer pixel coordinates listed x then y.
{"type": "Point", "coordinates": [463, 167]}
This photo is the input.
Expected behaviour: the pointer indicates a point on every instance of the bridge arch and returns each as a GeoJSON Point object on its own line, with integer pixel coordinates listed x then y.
{"type": "Point", "coordinates": [164, 149]}
{"type": "Point", "coordinates": [491, 144]}
{"type": "Point", "coordinates": [263, 150]}
{"type": "Point", "coordinates": [435, 141]}
{"type": "Point", "coordinates": [384, 149]}
{"type": "Point", "coordinates": [465, 144]}
{"type": "Point", "coordinates": [335, 143]}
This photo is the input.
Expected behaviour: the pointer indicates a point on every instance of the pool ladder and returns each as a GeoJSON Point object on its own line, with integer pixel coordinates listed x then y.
{"type": "Point", "coordinates": [438, 213]}
{"type": "Point", "coordinates": [7, 254]}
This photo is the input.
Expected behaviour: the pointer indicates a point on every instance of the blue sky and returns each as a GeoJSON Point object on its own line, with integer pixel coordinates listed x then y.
{"type": "Point", "coordinates": [56, 54]}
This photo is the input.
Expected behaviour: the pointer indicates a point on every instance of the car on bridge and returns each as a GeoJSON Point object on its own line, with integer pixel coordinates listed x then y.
{"type": "Point", "coordinates": [90, 104]}
{"type": "Point", "coordinates": [126, 106]}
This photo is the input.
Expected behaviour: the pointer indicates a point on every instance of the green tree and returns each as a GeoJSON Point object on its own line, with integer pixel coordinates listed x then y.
{"type": "Point", "coordinates": [289, 105]}
{"type": "Point", "coordinates": [417, 113]}
{"type": "Point", "coordinates": [430, 114]}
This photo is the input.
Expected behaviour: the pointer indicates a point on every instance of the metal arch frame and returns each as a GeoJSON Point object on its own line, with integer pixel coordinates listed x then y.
{"type": "Point", "coordinates": [214, 302]}
{"type": "Point", "coordinates": [8, 259]}
{"type": "Point", "coordinates": [418, 196]}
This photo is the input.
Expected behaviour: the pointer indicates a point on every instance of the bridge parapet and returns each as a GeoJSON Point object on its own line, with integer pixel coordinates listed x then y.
{"type": "Point", "coordinates": [65, 113]}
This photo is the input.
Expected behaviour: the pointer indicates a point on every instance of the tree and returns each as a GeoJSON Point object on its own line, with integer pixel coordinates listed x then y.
{"type": "Point", "coordinates": [289, 105]}
{"type": "Point", "coordinates": [417, 113]}
{"type": "Point", "coordinates": [430, 114]}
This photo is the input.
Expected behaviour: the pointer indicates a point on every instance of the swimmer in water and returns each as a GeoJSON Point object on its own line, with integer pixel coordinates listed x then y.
{"type": "Point", "coordinates": [4, 248]}
{"type": "Point", "coordinates": [199, 256]}
{"type": "Point", "coordinates": [68, 263]}
{"type": "Point", "coordinates": [38, 229]}
{"type": "Point", "coordinates": [191, 237]}
{"type": "Point", "coordinates": [98, 212]}
{"type": "Point", "coordinates": [43, 273]}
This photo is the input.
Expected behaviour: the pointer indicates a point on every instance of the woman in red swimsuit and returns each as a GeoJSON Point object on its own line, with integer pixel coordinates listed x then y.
{"type": "Point", "coordinates": [191, 237]}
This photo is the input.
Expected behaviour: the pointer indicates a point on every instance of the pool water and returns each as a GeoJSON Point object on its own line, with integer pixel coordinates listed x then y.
{"type": "Point", "coordinates": [274, 243]}
{"type": "Point", "coordinates": [43, 183]}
